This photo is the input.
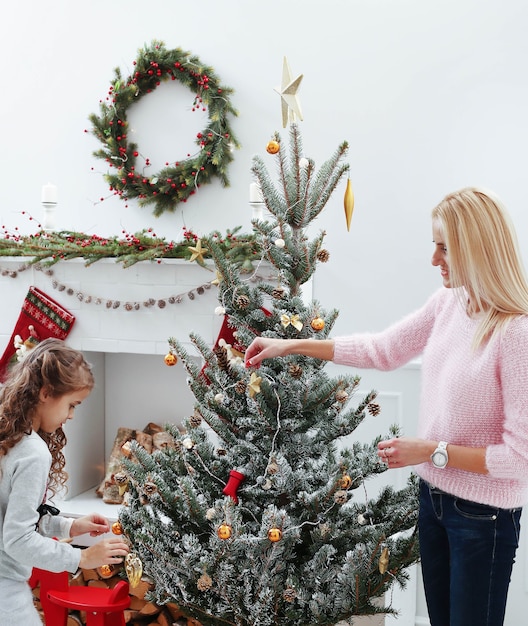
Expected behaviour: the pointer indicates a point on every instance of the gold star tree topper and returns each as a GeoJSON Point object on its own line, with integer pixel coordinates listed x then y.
{"type": "Point", "coordinates": [290, 104]}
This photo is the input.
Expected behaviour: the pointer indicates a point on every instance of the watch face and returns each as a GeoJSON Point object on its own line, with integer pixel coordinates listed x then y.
{"type": "Point", "coordinates": [439, 458]}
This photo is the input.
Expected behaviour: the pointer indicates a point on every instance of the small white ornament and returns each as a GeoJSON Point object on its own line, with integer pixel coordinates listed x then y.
{"type": "Point", "coordinates": [210, 514]}
{"type": "Point", "coordinates": [219, 310]}
{"type": "Point", "coordinates": [280, 243]}
{"type": "Point", "coordinates": [303, 163]}
{"type": "Point", "coordinates": [188, 443]}
{"type": "Point", "coordinates": [219, 398]}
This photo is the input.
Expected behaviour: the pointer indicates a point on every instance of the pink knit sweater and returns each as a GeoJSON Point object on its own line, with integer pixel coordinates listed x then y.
{"type": "Point", "coordinates": [471, 398]}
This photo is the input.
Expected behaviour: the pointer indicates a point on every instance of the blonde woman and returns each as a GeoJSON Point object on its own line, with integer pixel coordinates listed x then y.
{"type": "Point", "coordinates": [471, 452]}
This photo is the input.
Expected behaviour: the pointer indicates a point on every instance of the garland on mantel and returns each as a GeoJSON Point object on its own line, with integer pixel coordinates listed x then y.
{"type": "Point", "coordinates": [48, 248]}
{"type": "Point", "coordinates": [110, 303]}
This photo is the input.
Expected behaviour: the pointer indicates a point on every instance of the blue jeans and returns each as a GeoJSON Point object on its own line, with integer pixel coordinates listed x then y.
{"type": "Point", "coordinates": [467, 552]}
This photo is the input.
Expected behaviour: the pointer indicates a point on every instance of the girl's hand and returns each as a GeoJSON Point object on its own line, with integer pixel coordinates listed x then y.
{"type": "Point", "coordinates": [404, 451]}
{"type": "Point", "coordinates": [94, 524]}
{"type": "Point", "coordinates": [104, 552]}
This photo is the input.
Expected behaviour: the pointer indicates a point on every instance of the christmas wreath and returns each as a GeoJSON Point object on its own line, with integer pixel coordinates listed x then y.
{"type": "Point", "coordinates": [176, 182]}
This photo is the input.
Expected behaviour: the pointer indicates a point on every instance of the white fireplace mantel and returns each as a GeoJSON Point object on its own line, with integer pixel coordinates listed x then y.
{"type": "Point", "coordinates": [106, 327]}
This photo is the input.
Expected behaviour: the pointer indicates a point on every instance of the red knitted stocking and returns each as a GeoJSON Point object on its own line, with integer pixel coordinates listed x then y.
{"type": "Point", "coordinates": [46, 318]}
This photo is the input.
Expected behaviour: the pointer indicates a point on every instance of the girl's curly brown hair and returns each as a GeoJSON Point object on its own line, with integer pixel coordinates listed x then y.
{"type": "Point", "coordinates": [61, 370]}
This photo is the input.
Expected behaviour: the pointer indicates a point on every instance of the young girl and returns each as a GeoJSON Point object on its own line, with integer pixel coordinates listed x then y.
{"type": "Point", "coordinates": [37, 399]}
{"type": "Point", "coordinates": [471, 452]}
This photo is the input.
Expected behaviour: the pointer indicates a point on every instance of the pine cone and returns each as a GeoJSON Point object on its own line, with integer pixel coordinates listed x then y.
{"type": "Point", "coordinates": [295, 370]}
{"type": "Point", "coordinates": [341, 395]}
{"type": "Point", "coordinates": [240, 387]}
{"type": "Point", "coordinates": [277, 293]}
{"type": "Point", "coordinates": [221, 357]}
{"type": "Point", "coordinates": [289, 594]}
{"type": "Point", "coordinates": [195, 420]}
{"type": "Point", "coordinates": [242, 302]}
{"type": "Point", "coordinates": [204, 583]}
{"type": "Point", "coordinates": [323, 255]}
{"type": "Point", "coordinates": [374, 408]}
{"type": "Point", "coordinates": [340, 496]}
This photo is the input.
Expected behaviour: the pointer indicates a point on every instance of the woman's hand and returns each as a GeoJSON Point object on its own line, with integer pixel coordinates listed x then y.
{"type": "Point", "coordinates": [265, 348]}
{"type": "Point", "coordinates": [94, 524]}
{"type": "Point", "coordinates": [404, 451]}
{"type": "Point", "coordinates": [104, 552]}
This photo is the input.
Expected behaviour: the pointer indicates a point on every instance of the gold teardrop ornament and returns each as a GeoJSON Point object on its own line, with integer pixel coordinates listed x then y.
{"type": "Point", "coordinates": [133, 568]}
{"type": "Point", "coordinates": [349, 203]}
{"type": "Point", "coordinates": [383, 563]}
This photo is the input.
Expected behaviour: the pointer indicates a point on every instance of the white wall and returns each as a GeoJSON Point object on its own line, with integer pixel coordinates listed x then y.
{"type": "Point", "coordinates": [431, 94]}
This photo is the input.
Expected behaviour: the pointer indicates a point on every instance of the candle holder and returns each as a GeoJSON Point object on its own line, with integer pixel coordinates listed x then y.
{"type": "Point", "coordinates": [49, 202]}
{"type": "Point", "coordinates": [48, 223]}
{"type": "Point", "coordinates": [257, 204]}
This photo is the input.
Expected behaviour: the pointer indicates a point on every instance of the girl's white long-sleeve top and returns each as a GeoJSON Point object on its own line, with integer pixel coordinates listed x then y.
{"type": "Point", "coordinates": [23, 482]}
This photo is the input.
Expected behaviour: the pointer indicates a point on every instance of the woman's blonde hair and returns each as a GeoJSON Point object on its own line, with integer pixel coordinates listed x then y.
{"type": "Point", "coordinates": [484, 259]}
{"type": "Point", "coordinates": [60, 370]}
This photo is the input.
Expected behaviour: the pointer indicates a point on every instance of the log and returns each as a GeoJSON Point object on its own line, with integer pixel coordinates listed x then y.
{"type": "Point", "coordinates": [141, 589]}
{"type": "Point", "coordinates": [107, 489]}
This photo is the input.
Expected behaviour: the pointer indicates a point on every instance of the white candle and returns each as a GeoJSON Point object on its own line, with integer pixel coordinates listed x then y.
{"type": "Point", "coordinates": [49, 194]}
{"type": "Point", "coordinates": [255, 194]}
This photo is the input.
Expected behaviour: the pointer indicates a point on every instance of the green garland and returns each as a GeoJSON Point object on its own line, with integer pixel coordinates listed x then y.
{"type": "Point", "coordinates": [48, 248]}
{"type": "Point", "coordinates": [174, 183]}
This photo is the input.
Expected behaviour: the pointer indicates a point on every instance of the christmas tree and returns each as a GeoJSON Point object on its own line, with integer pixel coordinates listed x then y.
{"type": "Point", "coordinates": [268, 520]}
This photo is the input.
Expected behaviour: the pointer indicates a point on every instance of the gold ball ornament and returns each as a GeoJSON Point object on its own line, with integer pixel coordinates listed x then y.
{"type": "Point", "coordinates": [273, 147]}
{"type": "Point", "coordinates": [345, 481]}
{"type": "Point", "coordinates": [117, 529]}
{"type": "Point", "coordinates": [170, 359]}
{"type": "Point", "coordinates": [317, 323]}
{"type": "Point", "coordinates": [105, 571]}
{"type": "Point", "coordinates": [224, 531]}
{"type": "Point", "coordinates": [274, 534]}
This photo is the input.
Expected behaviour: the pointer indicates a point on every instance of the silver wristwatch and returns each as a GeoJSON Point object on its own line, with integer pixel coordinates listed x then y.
{"type": "Point", "coordinates": [439, 458]}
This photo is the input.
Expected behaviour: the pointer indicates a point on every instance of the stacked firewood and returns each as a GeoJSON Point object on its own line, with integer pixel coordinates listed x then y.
{"type": "Point", "coordinates": [140, 613]}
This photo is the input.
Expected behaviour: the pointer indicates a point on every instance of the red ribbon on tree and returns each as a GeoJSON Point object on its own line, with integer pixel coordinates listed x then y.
{"type": "Point", "coordinates": [235, 478]}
